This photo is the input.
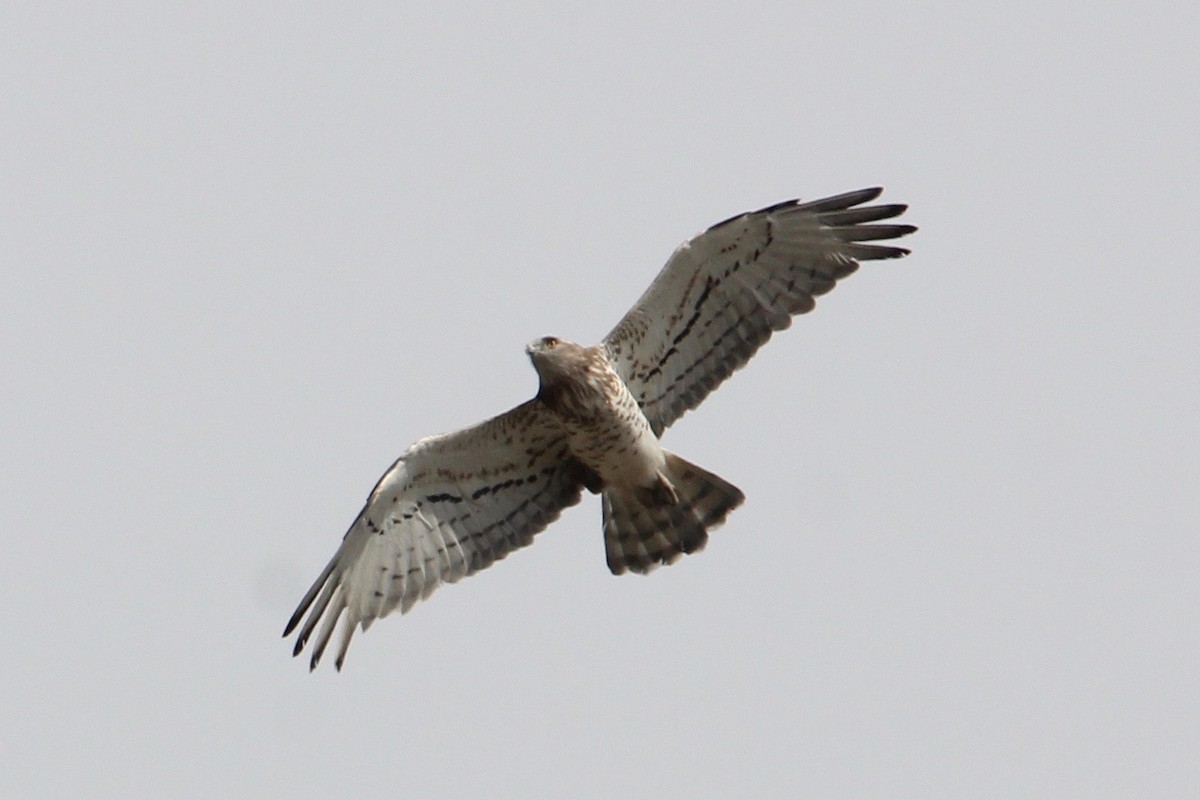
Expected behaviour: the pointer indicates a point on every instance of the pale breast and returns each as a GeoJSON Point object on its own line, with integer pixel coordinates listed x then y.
{"type": "Point", "coordinates": [611, 435]}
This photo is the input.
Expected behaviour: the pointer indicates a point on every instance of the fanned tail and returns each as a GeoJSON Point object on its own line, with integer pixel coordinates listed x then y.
{"type": "Point", "coordinates": [643, 528]}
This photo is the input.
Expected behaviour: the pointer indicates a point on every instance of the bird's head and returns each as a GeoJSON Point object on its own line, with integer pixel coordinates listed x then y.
{"type": "Point", "coordinates": [553, 356]}
{"type": "Point", "coordinates": [562, 369]}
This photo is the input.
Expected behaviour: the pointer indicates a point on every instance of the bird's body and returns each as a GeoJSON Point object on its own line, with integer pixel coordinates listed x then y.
{"type": "Point", "coordinates": [605, 428]}
{"type": "Point", "coordinates": [656, 505]}
{"type": "Point", "coordinates": [455, 503]}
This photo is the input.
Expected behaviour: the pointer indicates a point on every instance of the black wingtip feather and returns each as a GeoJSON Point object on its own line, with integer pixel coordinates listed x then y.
{"type": "Point", "coordinates": [875, 252]}
{"type": "Point", "coordinates": [840, 202]}
{"type": "Point", "coordinates": [305, 603]}
{"type": "Point", "coordinates": [870, 233]}
{"type": "Point", "coordinates": [838, 209]}
{"type": "Point", "coordinates": [861, 214]}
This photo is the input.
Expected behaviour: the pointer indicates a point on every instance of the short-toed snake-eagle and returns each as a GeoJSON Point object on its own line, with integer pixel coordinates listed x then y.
{"type": "Point", "coordinates": [455, 503]}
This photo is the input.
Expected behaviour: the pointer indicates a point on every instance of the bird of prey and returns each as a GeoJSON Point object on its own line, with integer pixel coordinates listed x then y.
{"type": "Point", "coordinates": [453, 504]}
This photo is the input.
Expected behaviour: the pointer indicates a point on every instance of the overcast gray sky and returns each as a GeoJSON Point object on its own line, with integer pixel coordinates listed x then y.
{"type": "Point", "coordinates": [249, 253]}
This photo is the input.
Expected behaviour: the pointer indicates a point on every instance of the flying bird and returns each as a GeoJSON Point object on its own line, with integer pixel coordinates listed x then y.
{"type": "Point", "coordinates": [453, 504]}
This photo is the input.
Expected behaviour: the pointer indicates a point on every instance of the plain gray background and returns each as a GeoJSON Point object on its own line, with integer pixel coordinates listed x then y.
{"type": "Point", "coordinates": [251, 252]}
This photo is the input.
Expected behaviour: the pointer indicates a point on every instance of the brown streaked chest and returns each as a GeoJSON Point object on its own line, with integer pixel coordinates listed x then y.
{"type": "Point", "coordinates": [605, 426]}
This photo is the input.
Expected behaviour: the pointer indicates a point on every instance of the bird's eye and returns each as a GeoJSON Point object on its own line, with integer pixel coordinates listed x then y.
{"type": "Point", "coordinates": [550, 342]}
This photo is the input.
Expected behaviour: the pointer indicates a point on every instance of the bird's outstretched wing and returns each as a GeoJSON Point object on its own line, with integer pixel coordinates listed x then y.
{"type": "Point", "coordinates": [723, 293]}
{"type": "Point", "coordinates": [449, 507]}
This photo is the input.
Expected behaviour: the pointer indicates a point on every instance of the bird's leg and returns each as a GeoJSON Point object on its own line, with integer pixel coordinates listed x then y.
{"type": "Point", "coordinates": [661, 493]}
